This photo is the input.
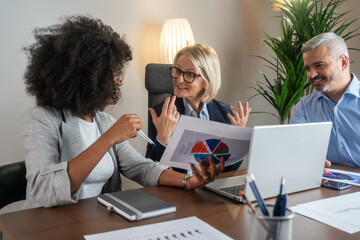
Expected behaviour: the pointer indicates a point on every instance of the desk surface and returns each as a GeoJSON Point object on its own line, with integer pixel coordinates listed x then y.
{"type": "Point", "coordinates": [89, 217]}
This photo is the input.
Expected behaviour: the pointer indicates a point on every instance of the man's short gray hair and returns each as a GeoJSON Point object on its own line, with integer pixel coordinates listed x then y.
{"type": "Point", "coordinates": [336, 44]}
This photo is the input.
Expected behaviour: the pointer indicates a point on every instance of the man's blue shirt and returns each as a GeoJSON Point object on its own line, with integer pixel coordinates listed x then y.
{"type": "Point", "coordinates": [344, 145]}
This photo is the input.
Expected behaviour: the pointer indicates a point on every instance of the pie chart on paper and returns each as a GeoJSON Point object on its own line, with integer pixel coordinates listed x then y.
{"type": "Point", "coordinates": [214, 148]}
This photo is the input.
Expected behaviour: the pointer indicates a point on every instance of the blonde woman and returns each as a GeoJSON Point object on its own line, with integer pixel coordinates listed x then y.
{"type": "Point", "coordinates": [197, 79]}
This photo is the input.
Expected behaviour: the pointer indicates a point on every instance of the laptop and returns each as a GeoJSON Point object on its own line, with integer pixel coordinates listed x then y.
{"type": "Point", "coordinates": [296, 152]}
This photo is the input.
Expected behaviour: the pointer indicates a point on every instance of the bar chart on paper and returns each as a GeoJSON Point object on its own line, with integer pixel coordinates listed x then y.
{"type": "Point", "coordinates": [190, 228]}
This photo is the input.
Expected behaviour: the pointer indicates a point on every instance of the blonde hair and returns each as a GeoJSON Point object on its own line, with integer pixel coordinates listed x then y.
{"type": "Point", "coordinates": [207, 64]}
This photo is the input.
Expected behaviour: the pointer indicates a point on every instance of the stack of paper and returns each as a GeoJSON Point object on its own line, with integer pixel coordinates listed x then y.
{"type": "Point", "coordinates": [341, 212]}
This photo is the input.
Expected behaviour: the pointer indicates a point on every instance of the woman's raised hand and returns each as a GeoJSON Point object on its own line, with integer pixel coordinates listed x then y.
{"type": "Point", "coordinates": [240, 118]}
{"type": "Point", "coordinates": [166, 122]}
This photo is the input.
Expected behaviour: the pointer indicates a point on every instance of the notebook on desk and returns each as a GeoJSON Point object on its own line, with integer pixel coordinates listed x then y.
{"type": "Point", "coordinates": [135, 204]}
{"type": "Point", "coordinates": [296, 152]}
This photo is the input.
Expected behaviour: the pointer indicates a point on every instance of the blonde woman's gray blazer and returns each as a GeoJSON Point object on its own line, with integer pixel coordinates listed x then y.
{"type": "Point", "coordinates": [52, 138]}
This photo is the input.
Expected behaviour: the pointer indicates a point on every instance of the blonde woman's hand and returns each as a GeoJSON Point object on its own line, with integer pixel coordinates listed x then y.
{"type": "Point", "coordinates": [240, 117]}
{"type": "Point", "coordinates": [165, 124]}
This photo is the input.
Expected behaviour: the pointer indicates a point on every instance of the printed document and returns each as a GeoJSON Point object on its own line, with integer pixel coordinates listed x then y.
{"type": "Point", "coordinates": [196, 140]}
{"type": "Point", "coordinates": [342, 212]}
{"type": "Point", "coordinates": [185, 228]}
{"type": "Point", "coordinates": [352, 178]}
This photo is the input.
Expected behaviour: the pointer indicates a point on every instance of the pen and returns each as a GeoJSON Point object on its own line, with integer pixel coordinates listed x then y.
{"type": "Point", "coordinates": [251, 180]}
{"type": "Point", "coordinates": [283, 204]}
{"type": "Point", "coordinates": [280, 204]}
{"type": "Point", "coordinates": [146, 137]}
{"type": "Point", "coordinates": [282, 185]}
{"type": "Point", "coordinates": [242, 193]}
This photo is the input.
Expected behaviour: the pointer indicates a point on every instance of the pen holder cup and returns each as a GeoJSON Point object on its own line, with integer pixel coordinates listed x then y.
{"type": "Point", "coordinates": [270, 227]}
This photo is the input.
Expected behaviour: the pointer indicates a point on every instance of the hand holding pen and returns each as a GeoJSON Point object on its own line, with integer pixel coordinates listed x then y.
{"type": "Point", "coordinates": [127, 126]}
{"type": "Point", "coordinates": [146, 137]}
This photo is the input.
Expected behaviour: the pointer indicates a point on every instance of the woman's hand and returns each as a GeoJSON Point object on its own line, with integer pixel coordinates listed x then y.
{"type": "Point", "coordinates": [240, 118]}
{"type": "Point", "coordinates": [206, 174]}
{"type": "Point", "coordinates": [166, 122]}
{"type": "Point", "coordinates": [126, 127]}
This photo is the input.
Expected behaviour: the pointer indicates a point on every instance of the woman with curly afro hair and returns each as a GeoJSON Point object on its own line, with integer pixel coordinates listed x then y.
{"type": "Point", "coordinates": [73, 149]}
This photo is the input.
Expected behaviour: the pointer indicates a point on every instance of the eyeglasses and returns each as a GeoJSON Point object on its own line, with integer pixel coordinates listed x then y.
{"type": "Point", "coordinates": [188, 77]}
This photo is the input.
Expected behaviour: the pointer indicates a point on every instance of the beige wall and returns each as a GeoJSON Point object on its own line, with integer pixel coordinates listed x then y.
{"type": "Point", "coordinates": [232, 27]}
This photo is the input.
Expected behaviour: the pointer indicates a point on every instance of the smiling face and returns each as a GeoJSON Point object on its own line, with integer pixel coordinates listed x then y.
{"type": "Point", "coordinates": [323, 71]}
{"type": "Point", "coordinates": [190, 91]}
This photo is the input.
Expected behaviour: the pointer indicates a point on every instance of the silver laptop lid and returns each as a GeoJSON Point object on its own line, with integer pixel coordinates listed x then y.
{"type": "Point", "coordinates": [296, 152]}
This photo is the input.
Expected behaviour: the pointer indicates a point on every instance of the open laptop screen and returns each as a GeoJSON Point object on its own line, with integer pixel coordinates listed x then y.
{"type": "Point", "coordinates": [296, 152]}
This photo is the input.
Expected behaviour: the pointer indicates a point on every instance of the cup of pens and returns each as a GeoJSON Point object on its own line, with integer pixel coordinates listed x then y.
{"type": "Point", "coordinates": [269, 221]}
{"type": "Point", "coordinates": [270, 227]}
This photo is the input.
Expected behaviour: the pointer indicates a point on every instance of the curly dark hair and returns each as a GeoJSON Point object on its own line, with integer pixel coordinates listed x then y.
{"type": "Point", "coordinates": [73, 64]}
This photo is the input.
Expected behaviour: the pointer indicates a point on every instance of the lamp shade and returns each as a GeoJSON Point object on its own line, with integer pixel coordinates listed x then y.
{"type": "Point", "coordinates": [175, 34]}
{"type": "Point", "coordinates": [277, 5]}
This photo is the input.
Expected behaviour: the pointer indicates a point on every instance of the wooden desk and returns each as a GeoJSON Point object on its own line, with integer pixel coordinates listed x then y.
{"type": "Point", "coordinates": [88, 217]}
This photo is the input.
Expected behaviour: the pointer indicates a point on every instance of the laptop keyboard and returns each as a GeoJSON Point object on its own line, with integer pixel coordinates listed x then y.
{"type": "Point", "coordinates": [234, 190]}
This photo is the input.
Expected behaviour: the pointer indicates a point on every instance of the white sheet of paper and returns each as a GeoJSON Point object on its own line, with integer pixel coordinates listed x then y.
{"type": "Point", "coordinates": [342, 212]}
{"type": "Point", "coordinates": [185, 228]}
{"type": "Point", "coordinates": [195, 138]}
{"type": "Point", "coordinates": [355, 177]}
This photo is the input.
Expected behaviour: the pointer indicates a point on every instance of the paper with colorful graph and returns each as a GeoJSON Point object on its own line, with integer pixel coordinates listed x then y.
{"type": "Point", "coordinates": [343, 176]}
{"type": "Point", "coordinates": [196, 139]}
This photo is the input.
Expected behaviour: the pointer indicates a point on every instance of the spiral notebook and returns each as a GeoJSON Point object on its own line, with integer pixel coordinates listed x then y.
{"type": "Point", "coordinates": [135, 204]}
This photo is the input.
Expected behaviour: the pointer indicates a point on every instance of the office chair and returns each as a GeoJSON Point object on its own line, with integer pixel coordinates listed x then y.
{"type": "Point", "coordinates": [12, 183]}
{"type": "Point", "coordinates": [158, 82]}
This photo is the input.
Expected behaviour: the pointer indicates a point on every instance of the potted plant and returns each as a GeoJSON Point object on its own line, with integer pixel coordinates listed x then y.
{"type": "Point", "coordinates": [303, 19]}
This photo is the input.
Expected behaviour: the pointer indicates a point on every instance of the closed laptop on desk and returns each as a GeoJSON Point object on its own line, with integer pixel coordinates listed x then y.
{"type": "Point", "coordinates": [296, 152]}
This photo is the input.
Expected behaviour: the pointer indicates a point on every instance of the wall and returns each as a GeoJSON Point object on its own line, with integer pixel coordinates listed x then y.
{"type": "Point", "coordinates": [234, 28]}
